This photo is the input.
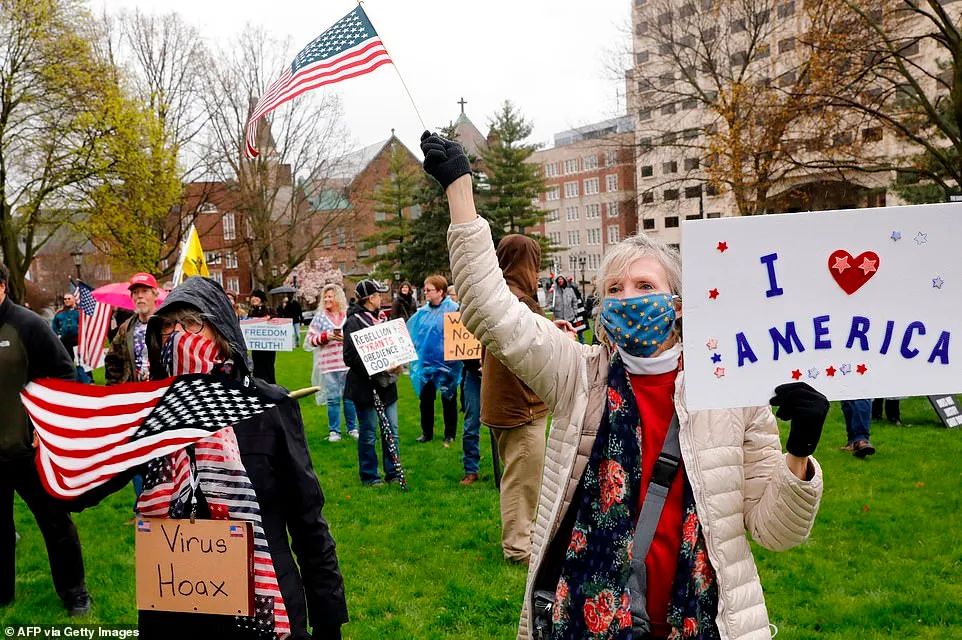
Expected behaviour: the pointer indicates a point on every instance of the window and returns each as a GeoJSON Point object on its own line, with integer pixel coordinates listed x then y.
{"type": "Point", "coordinates": [550, 169]}
{"type": "Point", "coordinates": [686, 11]}
{"type": "Point", "coordinates": [594, 261]}
{"type": "Point", "coordinates": [571, 189]}
{"type": "Point", "coordinates": [648, 224]}
{"type": "Point", "coordinates": [218, 277]}
{"type": "Point", "coordinates": [786, 44]}
{"type": "Point", "coordinates": [641, 28]}
{"type": "Point", "coordinates": [669, 167]}
{"type": "Point", "coordinates": [786, 79]}
{"type": "Point", "coordinates": [671, 222]}
{"type": "Point", "coordinates": [593, 236]}
{"type": "Point", "coordinates": [693, 216]}
{"type": "Point", "coordinates": [644, 145]}
{"type": "Point", "coordinates": [341, 236]}
{"type": "Point", "coordinates": [551, 216]}
{"type": "Point", "coordinates": [553, 193]}
{"type": "Point", "coordinates": [327, 239]}
{"type": "Point", "coordinates": [647, 171]}
{"type": "Point", "coordinates": [571, 213]}
{"type": "Point", "coordinates": [611, 182]}
{"type": "Point", "coordinates": [665, 18]}
{"type": "Point", "coordinates": [711, 190]}
{"type": "Point", "coordinates": [574, 238]}
{"type": "Point", "coordinates": [207, 207]}
{"type": "Point", "coordinates": [717, 214]}
{"type": "Point", "coordinates": [589, 162]}
{"type": "Point", "coordinates": [738, 25]}
{"type": "Point", "coordinates": [379, 216]}
{"type": "Point", "coordinates": [689, 104]}
{"type": "Point", "coordinates": [786, 10]}
{"type": "Point", "coordinates": [165, 264]}
{"type": "Point", "coordinates": [671, 194]}
{"type": "Point", "coordinates": [212, 257]}
{"type": "Point", "coordinates": [641, 57]}
{"type": "Point", "coordinates": [572, 262]}
{"type": "Point", "coordinates": [230, 233]}
{"type": "Point", "coordinates": [232, 284]}
{"type": "Point", "coordinates": [612, 209]}
{"type": "Point", "coordinates": [739, 59]}
{"type": "Point", "coordinates": [592, 211]}
{"type": "Point", "coordinates": [644, 114]}
{"type": "Point", "coordinates": [591, 186]}
{"type": "Point", "coordinates": [102, 272]}
{"type": "Point", "coordinates": [614, 234]}
{"type": "Point", "coordinates": [647, 197]}
{"type": "Point", "coordinates": [693, 192]}
{"type": "Point", "coordinates": [872, 134]}
{"type": "Point", "coordinates": [554, 237]}
{"type": "Point", "coordinates": [691, 164]}
{"type": "Point", "coordinates": [611, 158]}
{"type": "Point", "coordinates": [571, 166]}
{"type": "Point", "coordinates": [230, 259]}
{"type": "Point", "coordinates": [668, 109]}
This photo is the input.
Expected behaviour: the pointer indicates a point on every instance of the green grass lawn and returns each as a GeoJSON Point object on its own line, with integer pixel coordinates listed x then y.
{"type": "Point", "coordinates": [884, 560]}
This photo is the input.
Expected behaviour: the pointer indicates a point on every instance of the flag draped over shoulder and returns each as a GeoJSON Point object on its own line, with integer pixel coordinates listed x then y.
{"type": "Point", "coordinates": [89, 434]}
{"type": "Point", "coordinates": [348, 49]}
{"type": "Point", "coordinates": [94, 322]}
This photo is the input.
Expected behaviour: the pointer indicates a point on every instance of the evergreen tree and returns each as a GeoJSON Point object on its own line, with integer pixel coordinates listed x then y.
{"type": "Point", "coordinates": [427, 251]}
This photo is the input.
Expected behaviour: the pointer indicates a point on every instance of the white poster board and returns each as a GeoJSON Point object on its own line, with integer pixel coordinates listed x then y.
{"type": "Point", "coordinates": [384, 346]}
{"type": "Point", "coordinates": [859, 304]}
{"type": "Point", "coordinates": [274, 334]}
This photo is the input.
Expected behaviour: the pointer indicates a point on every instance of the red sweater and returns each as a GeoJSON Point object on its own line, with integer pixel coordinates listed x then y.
{"type": "Point", "coordinates": [654, 395]}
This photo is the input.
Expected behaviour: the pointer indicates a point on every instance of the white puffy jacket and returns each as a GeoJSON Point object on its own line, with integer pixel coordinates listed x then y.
{"type": "Point", "coordinates": [733, 457]}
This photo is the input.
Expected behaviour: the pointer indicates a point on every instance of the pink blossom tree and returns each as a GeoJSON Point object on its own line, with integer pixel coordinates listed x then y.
{"type": "Point", "coordinates": [311, 276]}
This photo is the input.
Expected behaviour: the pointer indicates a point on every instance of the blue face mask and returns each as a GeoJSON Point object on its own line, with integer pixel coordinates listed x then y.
{"type": "Point", "coordinates": [639, 325]}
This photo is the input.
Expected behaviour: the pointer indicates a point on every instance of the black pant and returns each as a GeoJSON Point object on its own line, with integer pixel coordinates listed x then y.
{"type": "Point", "coordinates": [893, 411]}
{"type": "Point", "coordinates": [264, 365]}
{"type": "Point", "coordinates": [59, 532]}
{"type": "Point", "coordinates": [449, 407]}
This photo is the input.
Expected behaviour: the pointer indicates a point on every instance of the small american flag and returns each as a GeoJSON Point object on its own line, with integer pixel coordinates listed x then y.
{"type": "Point", "coordinates": [236, 531]}
{"type": "Point", "coordinates": [350, 48]}
{"type": "Point", "coordinates": [94, 322]}
{"type": "Point", "coordinates": [89, 434]}
{"type": "Point", "coordinates": [143, 525]}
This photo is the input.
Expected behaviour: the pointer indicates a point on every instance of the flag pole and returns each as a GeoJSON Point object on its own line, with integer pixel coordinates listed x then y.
{"type": "Point", "coordinates": [417, 111]}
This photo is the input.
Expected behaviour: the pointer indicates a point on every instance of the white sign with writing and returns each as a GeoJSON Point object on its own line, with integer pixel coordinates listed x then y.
{"type": "Point", "coordinates": [274, 334]}
{"type": "Point", "coordinates": [859, 304]}
{"type": "Point", "coordinates": [384, 346]}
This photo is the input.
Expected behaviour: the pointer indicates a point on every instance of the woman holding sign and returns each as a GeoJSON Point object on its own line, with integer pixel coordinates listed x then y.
{"type": "Point", "coordinates": [619, 435]}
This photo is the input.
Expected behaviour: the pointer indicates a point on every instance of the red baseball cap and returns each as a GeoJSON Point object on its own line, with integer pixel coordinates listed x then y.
{"type": "Point", "coordinates": [142, 280]}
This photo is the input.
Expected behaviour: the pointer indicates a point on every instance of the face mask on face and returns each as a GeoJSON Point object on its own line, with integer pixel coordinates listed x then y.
{"type": "Point", "coordinates": [639, 325]}
{"type": "Point", "coordinates": [185, 353]}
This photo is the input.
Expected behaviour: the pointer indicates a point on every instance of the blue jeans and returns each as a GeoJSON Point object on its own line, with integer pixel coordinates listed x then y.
{"type": "Point", "coordinates": [471, 396]}
{"type": "Point", "coordinates": [858, 419]}
{"type": "Point", "coordinates": [366, 444]}
{"type": "Point", "coordinates": [83, 376]}
{"type": "Point", "coordinates": [334, 415]}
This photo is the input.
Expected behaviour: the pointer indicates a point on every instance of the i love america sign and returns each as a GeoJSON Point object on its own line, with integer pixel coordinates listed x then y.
{"type": "Point", "coordinates": [859, 303]}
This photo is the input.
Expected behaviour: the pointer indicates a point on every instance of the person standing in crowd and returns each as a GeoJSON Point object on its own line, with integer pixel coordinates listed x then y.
{"type": "Point", "coordinates": [452, 293]}
{"type": "Point", "coordinates": [471, 407]}
{"type": "Point", "coordinates": [858, 426]}
{"type": "Point", "coordinates": [614, 406]}
{"type": "Point", "coordinates": [238, 309]}
{"type": "Point", "coordinates": [893, 410]}
{"type": "Point", "coordinates": [30, 350]}
{"type": "Point", "coordinates": [361, 388]}
{"type": "Point", "coordinates": [516, 415]}
{"type": "Point", "coordinates": [66, 324]}
{"type": "Point", "coordinates": [325, 337]}
{"type": "Point", "coordinates": [291, 308]}
{"type": "Point", "coordinates": [263, 360]}
{"type": "Point", "coordinates": [564, 301]}
{"type": "Point", "coordinates": [404, 304]}
{"type": "Point", "coordinates": [431, 373]}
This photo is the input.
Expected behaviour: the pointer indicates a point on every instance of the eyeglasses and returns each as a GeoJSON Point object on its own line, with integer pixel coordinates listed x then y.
{"type": "Point", "coordinates": [189, 322]}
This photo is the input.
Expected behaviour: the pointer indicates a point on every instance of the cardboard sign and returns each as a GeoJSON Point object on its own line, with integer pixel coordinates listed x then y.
{"type": "Point", "coordinates": [948, 409]}
{"type": "Point", "coordinates": [262, 334]}
{"type": "Point", "coordinates": [859, 304]}
{"type": "Point", "coordinates": [384, 346]}
{"type": "Point", "coordinates": [200, 567]}
{"type": "Point", "coordinates": [459, 343]}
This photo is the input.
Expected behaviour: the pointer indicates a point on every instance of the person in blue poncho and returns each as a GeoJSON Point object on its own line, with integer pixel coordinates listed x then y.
{"type": "Point", "coordinates": [431, 373]}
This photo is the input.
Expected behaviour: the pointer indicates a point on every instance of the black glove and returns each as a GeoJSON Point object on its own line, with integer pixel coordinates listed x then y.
{"type": "Point", "coordinates": [806, 408]}
{"type": "Point", "coordinates": [444, 160]}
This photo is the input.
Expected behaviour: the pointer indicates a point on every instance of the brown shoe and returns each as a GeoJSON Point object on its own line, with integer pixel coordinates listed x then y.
{"type": "Point", "coordinates": [849, 448]}
{"type": "Point", "coordinates": [862, 448]}
{"type": "Point", "coordinates": [469, 478]}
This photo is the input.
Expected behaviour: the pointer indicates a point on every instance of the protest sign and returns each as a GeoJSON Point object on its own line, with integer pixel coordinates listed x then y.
{"type": "Point", "coordinates": [859, 304]}
{"type": "Point", "coordinates": [203, 566]}
{"type": "Point", "coordinates": [948, 410]}
{"type": "Point", "coordinates": [274, 334]}
{"type": "Point", "coordinates": [459, 343]}
{"type": "Point", "coordinates": [384, 346]}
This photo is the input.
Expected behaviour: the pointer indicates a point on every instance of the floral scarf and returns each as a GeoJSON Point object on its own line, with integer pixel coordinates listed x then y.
{"type": "Point", "coordinates": [592, 598]}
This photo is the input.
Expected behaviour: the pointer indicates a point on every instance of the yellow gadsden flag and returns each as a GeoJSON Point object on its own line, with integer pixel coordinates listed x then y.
{"type": "Point", "coordinates": [191, 261]}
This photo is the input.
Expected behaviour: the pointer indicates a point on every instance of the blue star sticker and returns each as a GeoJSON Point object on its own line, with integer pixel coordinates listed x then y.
{"type": "Point", "coordinates": [813, 373]}
{"type": "Point", "coordinates": [937, 282]}
{"type": "Point", "coordinates": [921, 238]}
{"type": "Point", "coordinates": [896, 236]}
{"type": "Point", "coordinates": [716, 358]}
{"type": "Point", "coordinates": [845, 369]}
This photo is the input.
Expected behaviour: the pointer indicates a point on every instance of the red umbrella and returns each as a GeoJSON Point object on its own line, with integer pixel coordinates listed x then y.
{"type": "Point", "coordinates": [117, 295]}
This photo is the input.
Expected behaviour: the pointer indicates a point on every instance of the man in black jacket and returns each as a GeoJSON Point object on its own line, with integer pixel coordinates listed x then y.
{"type": "Point", "coordinates": [30, 350]}
{"type": "Point", "coordinates": [274, 452]}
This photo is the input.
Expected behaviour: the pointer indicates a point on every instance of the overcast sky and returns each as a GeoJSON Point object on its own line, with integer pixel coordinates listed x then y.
{"type": "Point", "coordinates": [551, 58]}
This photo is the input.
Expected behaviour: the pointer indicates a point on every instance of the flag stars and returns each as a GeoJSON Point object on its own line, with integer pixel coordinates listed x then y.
{"type": "Point", "coordinates": [813, 373]}
{"type": "Point", "coordinates": [716, 358]}
{"type": "Point", "coordinates": [719, 372]}
{"type": "Point", "coordinates": [921, 238]}
{"type": "Point", "coordinates": [796, 374]}
{"type": "Point", "coordinates": [830, 372]}
{"type": "Point", "coordinates": [896, 236]}
{"type": "Point", "coordinates": [722, 247]}
{"type": "Point", "coordinates": [711, 343]}
{"type": "Point", "coordinates": [845, 369]}
{"type": "Point", "coordinates": [937, 282]}
{"type": "Point", "coordinates": [713, 294]}
{"type": "Point", "coordinates": [861, 369]}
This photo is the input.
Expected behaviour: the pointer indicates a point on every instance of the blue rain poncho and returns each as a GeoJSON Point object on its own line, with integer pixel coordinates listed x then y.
{"type": "Point", "coordinates": [426, 327]}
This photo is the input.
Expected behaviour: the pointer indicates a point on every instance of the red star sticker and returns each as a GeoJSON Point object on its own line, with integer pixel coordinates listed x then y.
{"type": "Point", "coordinates": [723, 247]}
{"type": "Point", "coordinates": [861, 369]}
{"type": "Point", "coordinates": [796, 374]}
{"type": "Point", "coordinates": [867, 266]}
{"type": "Point", "coordinates": [830, 372]}
{"type": "Point", "coordinates": [713, 294]}
{"type": "Point", "coordinates": [841, 264]}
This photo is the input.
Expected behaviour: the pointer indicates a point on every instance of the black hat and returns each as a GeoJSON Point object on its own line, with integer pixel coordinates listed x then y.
{"type": "Point", "coordinates": [259, 293]}
{"type": "Point", "coordinates": [367, 288]}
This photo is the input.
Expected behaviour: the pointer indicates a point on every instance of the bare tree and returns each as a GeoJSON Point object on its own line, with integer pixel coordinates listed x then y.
{"type": "Point", "coordinates": [299, 143]}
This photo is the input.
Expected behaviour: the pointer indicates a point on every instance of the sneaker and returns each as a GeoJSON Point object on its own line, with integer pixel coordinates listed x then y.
{"type": "Point", "coordinates": [469, 478]}
{"type": "Point", "coordinates": [78, 605]}
{"type": "Point", "coordinates": [447, 442]}
{"type": "Point", "coordinates": [394, 480]}
{"type": "Point", "coordinates": [334, 437]}
{"type": "Point", "coordinates": [862, 448]}
{"type": "Point", "coordinates": [374, 483]}
{"type": "Point", "coordinates": [423, 439]}
{"type": "Point", "coordinates": [354, 434]}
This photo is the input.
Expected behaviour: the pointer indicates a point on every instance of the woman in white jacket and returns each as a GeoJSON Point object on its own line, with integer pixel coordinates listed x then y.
{"type": "Point", "coordinates": [612, 405]}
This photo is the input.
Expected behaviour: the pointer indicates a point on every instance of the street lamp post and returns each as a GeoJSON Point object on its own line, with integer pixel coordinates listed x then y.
{"type": "Point", "coordinates": [78, 258]}
{"type": "Point", "coordinates": [582, 261]}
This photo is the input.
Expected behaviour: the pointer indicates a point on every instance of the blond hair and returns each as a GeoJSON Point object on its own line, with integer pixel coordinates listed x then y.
{"type": "Point", "coordinates": [340, 301]}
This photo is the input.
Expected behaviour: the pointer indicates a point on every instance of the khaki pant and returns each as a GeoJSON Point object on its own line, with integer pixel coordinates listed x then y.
{"type": "Point", "coordinates": [522, 451]}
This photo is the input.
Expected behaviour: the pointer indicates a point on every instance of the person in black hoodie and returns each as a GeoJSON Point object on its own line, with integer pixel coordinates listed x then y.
{"type": "Point", "coordinates": [273, 449]}
{"type": "Point", "coordinates": [263, 360]}
{"type": "Point", "coordinates": [361, 387]}
{"type": "Point", "coordinates": [404, 304]}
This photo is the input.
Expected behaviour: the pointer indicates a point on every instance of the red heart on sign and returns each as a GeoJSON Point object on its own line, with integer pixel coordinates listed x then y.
{"type": "Point", "coordinates": [851, 273]}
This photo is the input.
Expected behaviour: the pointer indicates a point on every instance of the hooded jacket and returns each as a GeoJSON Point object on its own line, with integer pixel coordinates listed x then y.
{"type": "Point", "coordinates": [360, 386]}
{"type": "Point", "coordinates": [506, 402]}
{"type": "Point", "coordinates": [274, 452]}
{"type": "Point", "coordinates": [404, 306]}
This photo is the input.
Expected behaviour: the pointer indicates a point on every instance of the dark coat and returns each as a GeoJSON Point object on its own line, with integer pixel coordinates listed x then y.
{"type": "Point", "coordinates": [404, 307]}
{"type": "Point", "coordinates": [119, 361]}
{"type": "Point", "coordinates": [360, 387]}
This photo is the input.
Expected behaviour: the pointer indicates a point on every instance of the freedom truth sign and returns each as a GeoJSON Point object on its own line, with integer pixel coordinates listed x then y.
{"type": "Point", "coordinates": [263, 334]}
{"type": "Point", "coordinates": [859, 304]}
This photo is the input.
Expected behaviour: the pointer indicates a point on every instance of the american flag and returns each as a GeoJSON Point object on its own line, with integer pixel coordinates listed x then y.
{"type": "Point", "coordinates": [94, 322]}
{"type": "Point", "coordinates": [349, 49]}
{"type": "Point", "coordinates": [89, 434]}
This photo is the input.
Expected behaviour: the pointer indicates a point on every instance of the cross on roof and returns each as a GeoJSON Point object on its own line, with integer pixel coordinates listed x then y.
{"type": "Point", "coordinates": [462, 102]}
